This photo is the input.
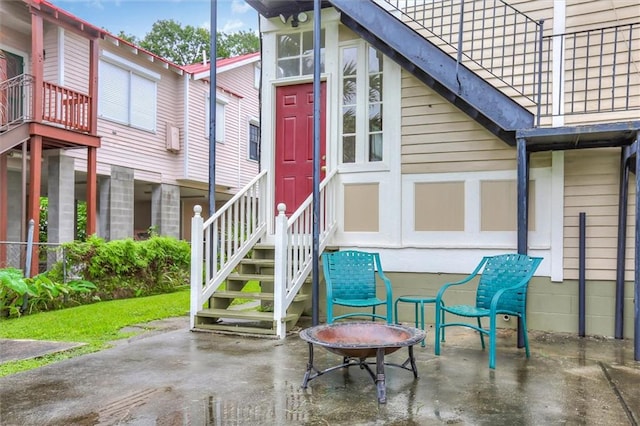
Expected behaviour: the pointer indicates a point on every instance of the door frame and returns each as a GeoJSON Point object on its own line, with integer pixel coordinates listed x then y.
{"type": "Point", "coordinates": [269, 131]}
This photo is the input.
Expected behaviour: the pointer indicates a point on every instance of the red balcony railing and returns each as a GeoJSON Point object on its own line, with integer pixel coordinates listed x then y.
{"type": "Point", "coordinates": [60, 105]}
{"type": "Point", "coordinates": [66, 107]}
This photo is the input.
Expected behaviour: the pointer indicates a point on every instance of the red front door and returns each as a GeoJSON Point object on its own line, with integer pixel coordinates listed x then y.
{"type": "Point", "coordinates": [294, 143]}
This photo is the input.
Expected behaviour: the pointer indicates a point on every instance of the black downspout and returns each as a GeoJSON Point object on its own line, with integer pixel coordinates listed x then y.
{"type": "Point", "coordinates": [636, 333]}
{"type": "Point", "coordinates": [581, 274]}
{"type": "Point", "coordinates": [623, 200]}
{"type": "Point", "coordinates": [523, 209]}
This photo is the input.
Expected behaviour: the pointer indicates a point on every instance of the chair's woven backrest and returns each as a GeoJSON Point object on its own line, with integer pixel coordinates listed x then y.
{"type": "Point", "coordinates": [502, 271]}
{"type": "Point", "coordinates": [351, 274]}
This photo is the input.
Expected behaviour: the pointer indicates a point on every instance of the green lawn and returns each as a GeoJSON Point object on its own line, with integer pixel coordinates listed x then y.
{"type": "Point", "coordinates": [96, 325]}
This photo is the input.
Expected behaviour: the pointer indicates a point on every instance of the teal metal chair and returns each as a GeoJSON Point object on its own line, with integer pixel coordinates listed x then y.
{"type": "Point", "coordinates": [350, 278]}
{"type": "Point", "coordinates": [502, 290]}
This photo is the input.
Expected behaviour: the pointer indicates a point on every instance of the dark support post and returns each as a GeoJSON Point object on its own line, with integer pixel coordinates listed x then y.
{"type": "Point", "coordinates": [212, 107]}
{"type": "Point", "coordinates": [315, 286]}
{"type": "Point", "coordinates": [523, 209]}
{"type": "Point", "coordinates": [581, 275]}
{"type": "Point", "coordinates": [636, 281]}
{"type": "Point", "coordinates": [623, 201]}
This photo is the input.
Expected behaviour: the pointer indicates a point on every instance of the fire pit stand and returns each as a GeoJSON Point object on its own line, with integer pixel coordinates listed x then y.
{"type": "Point", "coordinates": [357, 341]}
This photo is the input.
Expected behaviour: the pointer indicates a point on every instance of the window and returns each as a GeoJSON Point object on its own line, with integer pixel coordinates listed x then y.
{"type": "Point", "coordinates": [362, 129]}
{"type": "Point", "coordinates": [295, 54]}
{"type": "Point", "coordinates": [254, 142]}
{"type": "Point", "coordinates": [126, 95]}
{"type": "Point", "coordinates": [220, 124]}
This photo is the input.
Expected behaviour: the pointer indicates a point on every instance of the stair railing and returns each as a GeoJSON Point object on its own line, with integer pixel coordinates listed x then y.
{"type": "Point", "coordinates": [294, 247]}
{"type": "Point", "coordinates": [492, 34]}
{"type": "Point", "coordinates": [222, 241]}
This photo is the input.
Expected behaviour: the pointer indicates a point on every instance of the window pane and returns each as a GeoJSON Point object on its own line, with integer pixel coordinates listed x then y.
{"type": "Point", "coordinates": [288, 45]}
{"type": "Point", "coordinates": [307, 42]}
{"type": "Point", "coordinates": [348, 149]}
{"type": "Point", "coordinates": [349, 120]}
{"type": "Point", "coordinates": [113, 92]}
{"type": "Point", "coordinates": [220, 122]}
{"type": "Point", "coordinates": [375, 88]}
{"type": "Point", "coordinates": [254, 142]}
{"type": "Point", "coordinates": [349, 91]}
{"type": "Point", "coordinates": [375, 61]}
{"type": "Point", "coordinates": [375, 117]}
{"type": "Point", "coordinates": [375, 147]}
{"type": "Point", "coordinates": [289, 67]}
{"type": "Point", "coordinates": [143, 102]}
{"type": "Point", "coordinates": [349, 61]}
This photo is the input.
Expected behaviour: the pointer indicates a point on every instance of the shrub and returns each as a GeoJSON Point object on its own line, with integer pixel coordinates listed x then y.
{"type": "Point", "coordinates": [128, 268]}
{"type": "Point", "coordinates": [42, 293]}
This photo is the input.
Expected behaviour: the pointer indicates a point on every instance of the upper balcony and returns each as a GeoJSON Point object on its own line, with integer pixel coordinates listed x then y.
{"type": "Point", "coordinates": [65, 107]}
{"type": "Point", "coordinates": [61, 109]}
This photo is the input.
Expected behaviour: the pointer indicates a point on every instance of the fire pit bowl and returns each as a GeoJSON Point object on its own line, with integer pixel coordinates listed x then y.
{"type": "Point", "coordinates": [362, 339]}
{"type": "Point", "coordinates": [357, 341]}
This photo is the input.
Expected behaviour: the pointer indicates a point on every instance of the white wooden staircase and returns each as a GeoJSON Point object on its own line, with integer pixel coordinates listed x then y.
{"type": "Point", "coordinates": [228, 250]}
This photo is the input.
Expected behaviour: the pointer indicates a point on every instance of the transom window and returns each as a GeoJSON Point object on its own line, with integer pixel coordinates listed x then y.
{"type": "Point", "coordinates": [362, 130]}
{"type": "Point", "coordinates": [295, 54]}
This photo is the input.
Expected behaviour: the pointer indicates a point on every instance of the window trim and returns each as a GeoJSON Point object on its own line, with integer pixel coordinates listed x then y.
{"type": "Point", "coordinates": [256, 123]}
{"type": "Point", "coordinates": [221, 101]}
{"type": "Point", "coordinates": [362, 110]}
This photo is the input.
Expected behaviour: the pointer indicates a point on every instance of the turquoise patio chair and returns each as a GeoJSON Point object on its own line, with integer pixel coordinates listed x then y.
{"type": "Point", "coordinates": [502, 290]}
{"type": "Point", "coordinates": [350, 278]}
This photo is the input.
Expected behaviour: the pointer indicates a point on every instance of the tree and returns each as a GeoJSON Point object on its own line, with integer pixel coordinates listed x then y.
{"type": "Point", "coordinates": [171, 41]}
{"type": "Point", "coordinates": [184, 45]}
{"type": "Point", "coordinates": [239, 43]}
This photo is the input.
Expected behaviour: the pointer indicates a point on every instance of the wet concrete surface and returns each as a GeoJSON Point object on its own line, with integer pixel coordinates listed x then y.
{"type": "Point", "coordinates": [178, 377]}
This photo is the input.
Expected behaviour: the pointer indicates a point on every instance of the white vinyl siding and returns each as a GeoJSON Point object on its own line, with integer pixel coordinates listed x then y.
{"type": "Point", "coordinates": [127, 97]}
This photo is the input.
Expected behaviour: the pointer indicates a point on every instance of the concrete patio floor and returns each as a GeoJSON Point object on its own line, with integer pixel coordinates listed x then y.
{"type": "Point", "coordinates": [178, 377]}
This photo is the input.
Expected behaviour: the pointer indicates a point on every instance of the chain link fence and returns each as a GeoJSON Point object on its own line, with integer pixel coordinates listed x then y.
{"type": "Point", "coordinates": [13, 254]}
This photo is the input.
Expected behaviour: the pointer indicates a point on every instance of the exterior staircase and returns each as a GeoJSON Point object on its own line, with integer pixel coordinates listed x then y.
{"type": "Point", "coordinates": [255, 317]}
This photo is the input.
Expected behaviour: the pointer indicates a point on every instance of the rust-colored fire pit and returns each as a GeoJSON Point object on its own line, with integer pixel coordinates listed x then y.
{"type": "Point", "coordinates": [357, 341]}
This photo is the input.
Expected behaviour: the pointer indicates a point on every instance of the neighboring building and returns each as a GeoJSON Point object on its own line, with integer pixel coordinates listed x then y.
{"type": "Point", "coordinates": [429, 158]}
{"type": "Point", "coordinates": [142, 120]}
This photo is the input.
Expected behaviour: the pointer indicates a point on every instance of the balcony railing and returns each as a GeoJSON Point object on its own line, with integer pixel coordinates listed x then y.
{"type": "Point", "coordinates": [598, 71]}
{"type": "Point", "coordinates": [66, 107]}
{"type": "Point", "coordinates": [16, 101]}
{"type": "Point", "coordinates": [581, 72]}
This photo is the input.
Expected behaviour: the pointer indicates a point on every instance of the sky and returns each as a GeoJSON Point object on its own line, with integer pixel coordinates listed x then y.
{"type": "Point", "coordinates": [136, 17]}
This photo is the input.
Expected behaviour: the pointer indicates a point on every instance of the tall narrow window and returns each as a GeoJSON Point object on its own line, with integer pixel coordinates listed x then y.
{"type": "Point", "coordinates": [362, 102]}
{"type": "Point", "coordinates": [254, 142]}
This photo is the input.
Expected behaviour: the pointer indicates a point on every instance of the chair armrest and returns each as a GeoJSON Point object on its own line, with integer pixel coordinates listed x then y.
{"type": "Point", "coordinates": [465, 280]}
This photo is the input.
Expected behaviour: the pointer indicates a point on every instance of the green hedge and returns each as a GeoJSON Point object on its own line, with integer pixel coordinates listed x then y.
{"type": "Point", "coordinates": [128, 268]}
